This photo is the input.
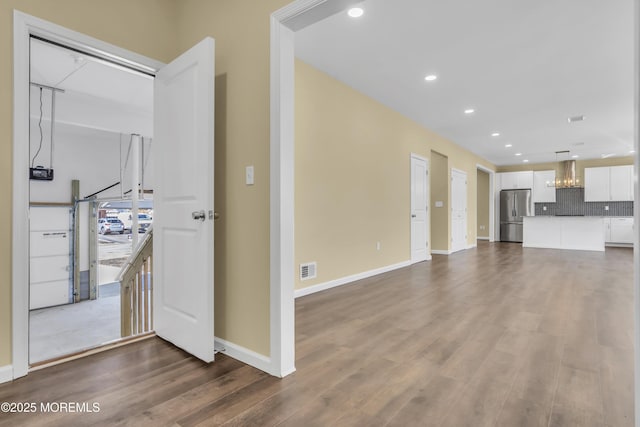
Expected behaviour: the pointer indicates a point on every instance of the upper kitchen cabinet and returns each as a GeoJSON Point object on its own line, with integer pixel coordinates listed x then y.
{"type": "Point", "coordinates": [544, 189]}
{"type": "Point", "coordinates": [621, 182]}
{"type": "Point", "coordinates": [608, 184]}
{"type": "Point", "coordinates": [516, 180]}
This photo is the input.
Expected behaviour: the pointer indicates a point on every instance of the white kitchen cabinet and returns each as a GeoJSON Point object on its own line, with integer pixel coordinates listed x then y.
{"type": "Point", "coordinates": [621, 183]}
{"type": "Point", "coordinates": [608, 184]}
{"type": "Point", "coordinates": [620, 230]}
{"type": "Point", "coordinates": [516, 180]}
{"type": "Point", "coordinates": [544, 189]}
{"type": "Point", "coordinates": [597, 184]}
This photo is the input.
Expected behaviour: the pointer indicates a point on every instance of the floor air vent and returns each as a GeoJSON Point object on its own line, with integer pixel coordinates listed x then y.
{"type": "Point", "coordinates": [308, 271]}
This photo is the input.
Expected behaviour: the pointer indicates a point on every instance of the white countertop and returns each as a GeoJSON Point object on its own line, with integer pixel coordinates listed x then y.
{"type": "Point", "coordinates": [564, 232]}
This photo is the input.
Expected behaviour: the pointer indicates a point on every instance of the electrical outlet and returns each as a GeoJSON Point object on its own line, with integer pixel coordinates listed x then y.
{"type": "Point", "coordinates": [606, 208]}
{"type": "Point", "coordinates": [544, 208]}
{"type": "Point", "coordinates": [377, 246]}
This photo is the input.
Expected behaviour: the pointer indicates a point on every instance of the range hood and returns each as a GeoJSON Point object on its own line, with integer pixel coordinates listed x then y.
{"type": "Point", "coordinates": [568, 177]}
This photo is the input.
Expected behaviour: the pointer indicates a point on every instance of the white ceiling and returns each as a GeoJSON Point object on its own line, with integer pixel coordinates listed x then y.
{"type": "Point", "coordinates": [98, 94]}
{"type": "Point", "coordinates": [524, 66]}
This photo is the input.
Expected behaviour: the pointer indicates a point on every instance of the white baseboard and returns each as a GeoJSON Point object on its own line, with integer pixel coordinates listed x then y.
{"type": "Point", "coordinates": [244, 355]}
{"type": "Point", "coordinates": [482, 238]}
{"type": "Point", "coordinates": [346, 280]}
{"type": "Point", "coordinates": [475, 245]}
{"type": "Point", "coordinates": [619, 245]}
{"type": "Point", "coordinates": [6, 374]}
{"type": "Point", "coordinates": [440, 252]}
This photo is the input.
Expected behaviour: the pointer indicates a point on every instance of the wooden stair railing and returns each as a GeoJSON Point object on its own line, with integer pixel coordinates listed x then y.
{"type": "Point", "coordinates": [136, 290]}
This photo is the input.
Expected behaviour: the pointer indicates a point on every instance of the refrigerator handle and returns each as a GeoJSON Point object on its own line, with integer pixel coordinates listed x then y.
{"type": "Point", "coordinates": [513, 211]}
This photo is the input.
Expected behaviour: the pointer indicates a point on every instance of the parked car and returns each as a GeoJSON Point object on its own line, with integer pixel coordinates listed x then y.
{"type": "Point", "coordinates": [110, 225]}
{"type": "Point", "coordinates": [144, 221]}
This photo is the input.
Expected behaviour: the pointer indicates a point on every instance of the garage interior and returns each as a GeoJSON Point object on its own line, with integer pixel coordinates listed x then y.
{"type": "Point", "coordinates": [91, 132]}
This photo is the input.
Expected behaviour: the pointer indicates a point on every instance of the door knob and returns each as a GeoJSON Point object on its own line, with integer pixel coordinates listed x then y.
{"type": "Point", "coordinates": [213, 215]}
{"type": "Point", "coordinates": [198, 215]}
{"type": "Point", "coordinates": [413, 215]}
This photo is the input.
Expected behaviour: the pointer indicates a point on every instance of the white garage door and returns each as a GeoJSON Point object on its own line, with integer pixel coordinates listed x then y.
{"type": "Point", "coordinates": [50, 272]}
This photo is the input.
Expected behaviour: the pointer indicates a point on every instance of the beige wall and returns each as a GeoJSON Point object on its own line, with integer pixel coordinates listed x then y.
{"type": "Point", "coordinates": [145, 26]}
{"type": "Point", "coordinates": [440, 188]}
{"type": "Point", "coordinates": [352, 177]}
{"type": "Point", "coordinates": [580, 165]}
{"type": "Point", "coordinates": [483, 203]}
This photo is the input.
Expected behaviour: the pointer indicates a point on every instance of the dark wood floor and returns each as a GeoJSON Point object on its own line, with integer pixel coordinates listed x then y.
{"type": "Point", "coordinates": [497, 335]}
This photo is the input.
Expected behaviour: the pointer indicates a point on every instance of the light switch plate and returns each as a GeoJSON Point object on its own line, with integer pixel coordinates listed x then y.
{"type": "Point", "coordinates": [439, 204]}
{"type": "Point", "coordinates": [249, 175]}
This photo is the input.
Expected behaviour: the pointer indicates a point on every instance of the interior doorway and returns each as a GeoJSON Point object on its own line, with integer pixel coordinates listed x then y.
{"type": "Point", "coordinates": [483, 205]}
{"type": "Point", "coordinates": [79, 157]}
{"type": "Point", "coordinates": [183, 130]}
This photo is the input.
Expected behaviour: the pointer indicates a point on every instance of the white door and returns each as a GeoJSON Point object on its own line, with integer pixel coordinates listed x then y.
{"type": "Point", "coordinates": [419, 204]}
{"type": "Point", "coordinates": [183, 201]}
{"type": "Point", "coordinates": [458, 210]}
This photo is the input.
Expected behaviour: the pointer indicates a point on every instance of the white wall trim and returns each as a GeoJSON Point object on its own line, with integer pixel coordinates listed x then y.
{"type": "Point", "coordinates": [441, 252]}
{"type": "Point", "coordinates": [281, 190]}
{"type": "Point", "coordinates": [349, 279]}
{"type": "Point", "coordinates": [244, 355]}
{"type": "Point", "coordinates": [6, 374]}
{"type": "Point", "coordinates": [23, 26]}
{"type": "Point", "coordinates": [482, 238]}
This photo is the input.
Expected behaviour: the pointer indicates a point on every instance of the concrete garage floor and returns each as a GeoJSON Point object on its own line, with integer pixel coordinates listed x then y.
{"type": "Point", "coordinates": [66, 329]}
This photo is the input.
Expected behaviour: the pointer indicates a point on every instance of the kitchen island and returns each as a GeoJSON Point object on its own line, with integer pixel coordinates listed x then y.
{"type": "Point", "coordinates": [585, 233]}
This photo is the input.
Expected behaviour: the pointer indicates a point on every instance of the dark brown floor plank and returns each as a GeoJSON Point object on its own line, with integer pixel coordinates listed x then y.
{"type": "Point", "coordinates": [497, 335]}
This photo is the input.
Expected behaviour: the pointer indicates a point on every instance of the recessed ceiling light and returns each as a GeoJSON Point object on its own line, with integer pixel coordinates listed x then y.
{"type": "Point", "coordinates": [355, 12]}
{"type": "Point", "coordinates": [431, 77]}
{"type": "Point", "coordinates": [518, 154]}
{"type": "Point", "coordinates": [604, 156]}
{"type": "Point", "coordinates": [525, 161]}
{"type": "Point", "coordinates": [508, 146]}
{"type": "Point", "coordinates": [469, 111]}
{"type": "Point", "coordinates": [575, 156]}
{"type": "Point", "coordinates": [495, 134]}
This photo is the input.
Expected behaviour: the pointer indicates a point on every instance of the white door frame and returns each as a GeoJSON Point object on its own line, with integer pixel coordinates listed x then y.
{"type": "Point", "coordinates": [284, 22]}
{"type": "Point", "coordinates": [428, 218]}
{"type": "Point", "coordinates": [492, 210]}
{"type": "Point", "coordinates": [23, 26]}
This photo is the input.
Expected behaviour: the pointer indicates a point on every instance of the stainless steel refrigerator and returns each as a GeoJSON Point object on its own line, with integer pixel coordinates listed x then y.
{"type": "Point", "coordinates": [514, 204]}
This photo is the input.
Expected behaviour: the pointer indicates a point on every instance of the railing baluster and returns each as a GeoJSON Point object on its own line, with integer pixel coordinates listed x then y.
{"type": "Point", "coordinates": [145, 270]}
{"type": "Point", "coordinates": [136, 291]}
{"type": "Point", "coordinates": [151, 292]}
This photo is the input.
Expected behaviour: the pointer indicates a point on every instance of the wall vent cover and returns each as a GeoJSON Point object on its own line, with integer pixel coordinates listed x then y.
{"type": "Point", "coordinates": [308, 271]}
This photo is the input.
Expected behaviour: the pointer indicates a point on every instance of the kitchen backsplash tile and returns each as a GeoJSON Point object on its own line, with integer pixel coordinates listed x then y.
{"type": "Point", "coordinates": [570, 201]}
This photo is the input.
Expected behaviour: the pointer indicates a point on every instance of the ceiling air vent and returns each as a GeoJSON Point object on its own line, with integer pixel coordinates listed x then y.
{"type": "Point", "coordinates": [574, 119]}
{"type": "Point", "coordinates": [308, 271]}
